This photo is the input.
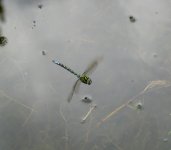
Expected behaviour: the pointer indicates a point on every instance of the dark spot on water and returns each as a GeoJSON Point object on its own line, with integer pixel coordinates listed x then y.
{"type": "Point", "coordinates": [132, 81]}
{"type": "Point", "coordinates": [132, 19]}
{"type": "Point", "coordinates": [155, 55]}
{"type": "Point", "coordinates": [43, 53]}
{"type": "Point", "coordinates": [86, 100]}
{"type": "Point", "coordinates": [34, 24]}
{"type": "Point", "coordinates": [139, 106]}
{"type": "Point", "coordinates": [40, 6]}
{"type": "Point", "coordinates": [3, 41]}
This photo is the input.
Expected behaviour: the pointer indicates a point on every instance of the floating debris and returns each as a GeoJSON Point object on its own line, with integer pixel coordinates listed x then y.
{"type": "Point", "coordinates": [165, 139]}
{"type": "Point", "coordinates": [155, 55]}
{"type": "Point", "coordinates": [34, 24]}
{"type": "Point", "coordinates": [156, 84]}
{"type": "Point", "coordinates": [92, 107]}
{"type": "Point", "coordinates": [132, 19]}
{"type": "Point", "coordinates": [40, 6]}
{"type": "Point", "coordinates": [3, 41]}
{"type": "Point", "coordinates": [132, 81]}
{"type": "Point", "coordinates": [136, 106]}
{"type": "Point", "coordinates": [87, 99]}
{"type": "Point", "coordinates": [43, 53]}
{"type": "Point", "coordinates": [139, 106]}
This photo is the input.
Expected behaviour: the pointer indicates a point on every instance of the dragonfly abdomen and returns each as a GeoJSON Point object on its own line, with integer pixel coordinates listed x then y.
{"type": "Point", "coordinates": [65, 67]}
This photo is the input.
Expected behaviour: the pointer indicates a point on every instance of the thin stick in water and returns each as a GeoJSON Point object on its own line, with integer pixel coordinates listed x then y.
{"type": "Point", "coordinates": [153, 84]}
{"type": "Point", "coordinates": [92, 107]}
{"type": "Point", "coordinates": [66, 129]}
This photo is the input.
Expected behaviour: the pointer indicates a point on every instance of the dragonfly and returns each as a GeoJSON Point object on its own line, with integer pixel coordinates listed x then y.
{"type": "Point", "coordinates": [82, 78]}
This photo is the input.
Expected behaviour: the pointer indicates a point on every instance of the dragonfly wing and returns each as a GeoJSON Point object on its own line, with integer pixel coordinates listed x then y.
{"type": "Point", "coordinates": [77, 86]}
{"type": "Point", "coordinates": [75, 89]}
{"type": "Point", "coordinates": [92, 66]}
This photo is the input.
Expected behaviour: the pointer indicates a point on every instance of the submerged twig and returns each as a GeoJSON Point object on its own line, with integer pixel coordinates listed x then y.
{"type": "Point", "coordinates": [66, 137]}
{"type": "Point", "coordinates": [112, 113]}
{"type": "Point", "coordinates": [153, 84]}
{"type": "Point", "coordinates": [14, 100]}
{"type": "Point", "coordinates": [88, 130]}
{"type": "Point", "coordinates": [19, 103]}
{"type": "Point", "coordinates": [157, 84]}
{"type": "Point", "coordinates": [88, 113]}
{"type": "Point", "coordinates": [114, 143]}
{"type": "Point", "coordinates": [87, 134]}
{"type": "Point", "coordinates": [27, 119]}
{"type": "Point", "coordinates": [29, 116]}
{"type": "Point", "coordinates": [19, 69]}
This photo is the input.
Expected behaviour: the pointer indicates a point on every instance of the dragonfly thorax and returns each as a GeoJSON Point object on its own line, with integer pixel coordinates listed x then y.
{"type": "Point", "coordinates": [85, 79]}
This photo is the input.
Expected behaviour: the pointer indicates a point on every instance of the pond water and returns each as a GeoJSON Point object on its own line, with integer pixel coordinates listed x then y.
{"type": "Point", "coordinates": [34, 111]}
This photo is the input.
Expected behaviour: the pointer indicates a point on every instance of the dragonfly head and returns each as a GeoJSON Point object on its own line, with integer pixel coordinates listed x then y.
{"type": "Point", "coordinates": [89, 81]}
{"type": "Point", "coordinates": [85, 79]}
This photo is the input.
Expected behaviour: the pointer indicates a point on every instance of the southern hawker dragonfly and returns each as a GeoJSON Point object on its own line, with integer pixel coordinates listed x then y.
{"type": "Point", "coordinates": [84, 77]}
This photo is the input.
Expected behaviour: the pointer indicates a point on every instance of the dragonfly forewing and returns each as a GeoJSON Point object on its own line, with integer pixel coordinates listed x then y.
{"type": "Point", "coordinates": [92, 66]}
{"type": "Point", "coordinates": [75, 89]}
